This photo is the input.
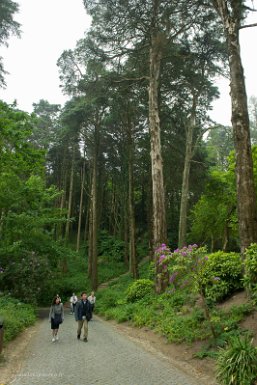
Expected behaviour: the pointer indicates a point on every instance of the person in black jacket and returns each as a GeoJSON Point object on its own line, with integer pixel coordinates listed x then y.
{"type": "Point", "coordinates": [83, 313]}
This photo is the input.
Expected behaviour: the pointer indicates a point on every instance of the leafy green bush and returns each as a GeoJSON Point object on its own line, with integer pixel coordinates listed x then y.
{"type": "Point", "coordinates": [237, 364]}
{"type": "Point", "coordinates": [227, 268]}
{"type": "Point", "coordinates": [139, 289]}
{"type": "Point", "coordinates": [16, 315]}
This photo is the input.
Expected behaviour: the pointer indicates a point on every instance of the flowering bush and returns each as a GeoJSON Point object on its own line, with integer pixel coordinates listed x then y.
{"type": "Point", "coordinates": [184, 266]}
{"type": "Point", "coordinates": [214, 276]}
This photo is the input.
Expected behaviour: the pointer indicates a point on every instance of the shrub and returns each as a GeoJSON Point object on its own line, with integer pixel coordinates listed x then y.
{"type": "Point", "coordinates": [228, 268]}
{"type": "Point", "coordinates": [16, 315]}
{"type": "Point", "coordinates": [237, 364]}
{"type": "Point", "coordinates": [139, 289]}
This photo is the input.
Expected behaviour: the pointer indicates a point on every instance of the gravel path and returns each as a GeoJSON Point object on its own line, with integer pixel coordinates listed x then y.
{"type": "Point", "coordinates": [108, 358]}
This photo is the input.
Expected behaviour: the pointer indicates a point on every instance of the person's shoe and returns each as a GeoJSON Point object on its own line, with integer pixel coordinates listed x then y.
{"type": "Point", "coordinates": [78, 336]}
{"type": "Point", "coordinates": [53, 339]}
{"type": "Point", "coordinates": [56, 338]}
{"type": "Point", "coordinates": [85, 339]}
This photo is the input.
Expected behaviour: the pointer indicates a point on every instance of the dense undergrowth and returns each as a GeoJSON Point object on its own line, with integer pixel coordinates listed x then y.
{"type": "Point", "coordinates": [180, 316]}
{"type": "Point", "coordinates": [176, 315]}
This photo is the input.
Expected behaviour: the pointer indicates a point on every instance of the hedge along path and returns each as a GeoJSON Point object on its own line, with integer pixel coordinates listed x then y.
{"type": "Point", "coordinates": [108, 358]}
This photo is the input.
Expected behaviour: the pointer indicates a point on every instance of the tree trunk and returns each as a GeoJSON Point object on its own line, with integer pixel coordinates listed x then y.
{"type": "Point", "coordinates": [81, 202]}
{"type": "Point", "coordinates": [90, 231]}
{"type": "Point", "coordinates": [186, 176]}
{"type": "Point", "coordinates": [60, 226]}
{"type": "Point", "coordinates": [246, 197]}
{"type": "Point", "coordinates": [132, 249]}
{"type": "Point", "coordinates": [159, 214]}
{"type": "Point", "coordinates": [94, 198]}
{"type": "Point", "coordinates": [67, 228]}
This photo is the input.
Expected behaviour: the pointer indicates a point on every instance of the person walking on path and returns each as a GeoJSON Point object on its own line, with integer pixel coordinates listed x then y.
{"type": "Point", "coordinates": [83, 313]}
{"type": "Point", "coordinates": [92, 300]}
{"type": "Point", "coordinates": [73, 301]}
{"type": "Point", "coordinates": [56, 317]}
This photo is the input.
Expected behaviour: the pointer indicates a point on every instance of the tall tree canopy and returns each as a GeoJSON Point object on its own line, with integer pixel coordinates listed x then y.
{"type": "Point", "coordinates": [8, 26]}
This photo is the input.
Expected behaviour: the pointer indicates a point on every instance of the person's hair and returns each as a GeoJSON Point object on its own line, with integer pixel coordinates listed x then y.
{"type": "Point", "coordinates": [54, 300]}
{"type": "Point", "coordinates": [83, 292]}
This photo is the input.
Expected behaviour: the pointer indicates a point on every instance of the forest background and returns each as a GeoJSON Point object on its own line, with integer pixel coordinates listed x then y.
{"type": "Point", "coordinates": [82, 176]}
{"type": "Point", "coordinates": [132, 175]}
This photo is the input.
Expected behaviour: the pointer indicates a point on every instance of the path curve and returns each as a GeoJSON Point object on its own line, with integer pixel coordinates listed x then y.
{"type": "Point", "coordinates": [108, 358]}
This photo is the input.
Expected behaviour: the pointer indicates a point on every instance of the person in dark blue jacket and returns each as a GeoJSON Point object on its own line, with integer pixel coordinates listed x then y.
{"type": "Point", "coordinates": [83, 313]}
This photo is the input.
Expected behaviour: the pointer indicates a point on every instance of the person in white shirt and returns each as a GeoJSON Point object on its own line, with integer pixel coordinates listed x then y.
{"type": "Point", "coordinates": [92, 300]}
{"type": "Point", "coordinates": [73, 301]}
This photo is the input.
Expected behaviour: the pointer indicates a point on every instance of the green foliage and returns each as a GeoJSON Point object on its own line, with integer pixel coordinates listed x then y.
{"type": "Point", "coordinates": [237, 364]}
{"type": "Point", "coordinates": [28, 219]}
{"type": "Point", "coordinates": [120, 314]}
{"type": "Point", "coordinates": [215, 211]}
{"type": "Point", "coordinates": [139, 289]}
{"type": "Point", "coordinates": [111, 246]}
{"type": "Point", "coordinates": [109, 268]}
{"type": "Point", "coordinates": [184, 327]}
{"type": "Point", "coordinates": [16, 316]}
{"type": "Point", "coordinates": [228, 268]}
{"type": "Point", "coordinates": [144, 315]}
{"type": "Point", "coordinates": [8, 26]}
{"type": "Point", "coordinates": [250, 265]}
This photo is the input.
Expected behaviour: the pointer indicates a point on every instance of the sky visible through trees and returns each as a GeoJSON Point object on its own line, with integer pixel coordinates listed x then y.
{"type": "Point", "coordinates": [49, 27]}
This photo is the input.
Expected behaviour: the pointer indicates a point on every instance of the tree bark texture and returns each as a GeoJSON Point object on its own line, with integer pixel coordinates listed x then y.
{"type": "Point", "coordinates": [246, 196]}
{"type": "Point", "coordinates": [186, 176]}
{"type": "Point", "coordinates": [94, 198]}
{"type": "Point", "coordinates": [159, 214]}
{"type": "Point", "coordinates": [131, 210]}
{"type": "Point", "coordinates": [67, 228]}
{"type": "Point", "coordinates": [81, 202]}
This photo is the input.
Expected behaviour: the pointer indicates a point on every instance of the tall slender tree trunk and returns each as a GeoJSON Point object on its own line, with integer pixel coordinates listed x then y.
{"type": "Point", "coordinates": [81, 202]}
{"type": "Point", "coordinates": [90, 243]}
{"type": "Point", "coordinates": [67, 228]}
{"type": "Point", "coordinates": [159, 214]}
{"type": "Point", "coordinates": [60, 226]}
{"type": "Point", "coordinates": [246, 196]}
{"type": "Point", "coordinates": [93, 223]}
{"type": "Point", "coordinates": [186, 177]}
{"type": "Point", "coordinates": [132, 237]}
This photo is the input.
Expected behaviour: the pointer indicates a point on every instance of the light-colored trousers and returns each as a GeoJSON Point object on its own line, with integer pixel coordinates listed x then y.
{"type": "Point", "coordinates": [83, 324]}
